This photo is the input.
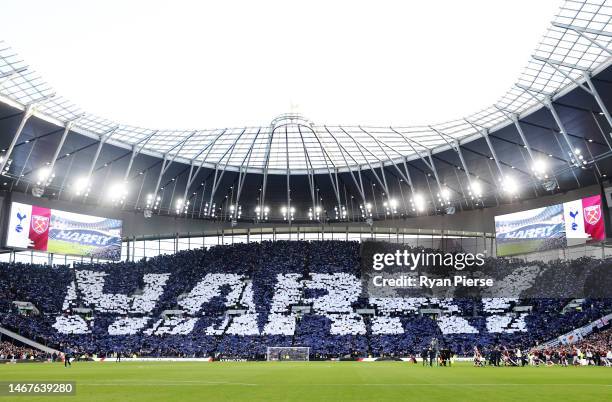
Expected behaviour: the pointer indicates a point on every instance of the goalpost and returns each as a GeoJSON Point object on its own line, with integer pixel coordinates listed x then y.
{"type": "Point", "coordinates": [287, 353]}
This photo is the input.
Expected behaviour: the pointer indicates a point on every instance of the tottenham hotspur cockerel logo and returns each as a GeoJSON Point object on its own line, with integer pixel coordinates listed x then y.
{"type": "Point", "coordinates": [21, 217]}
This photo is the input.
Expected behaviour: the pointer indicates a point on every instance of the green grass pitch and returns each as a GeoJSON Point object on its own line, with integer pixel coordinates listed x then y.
{"type": "Point", "coordinates": [314, 381]}
{"type": "Point", "coordinates": [68, 248]}
{"type": "Point", "coordinates": [518, 247]}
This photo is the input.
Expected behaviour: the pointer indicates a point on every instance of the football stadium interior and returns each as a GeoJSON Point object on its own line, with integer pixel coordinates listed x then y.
{"type": "Point", "coordinates": [144, 263]}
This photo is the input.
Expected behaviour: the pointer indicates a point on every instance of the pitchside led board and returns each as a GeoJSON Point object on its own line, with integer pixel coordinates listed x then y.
{"type": "Point", "coordinates": [54, 231]}
{"type": "Point", "coordinates": [569, 224]}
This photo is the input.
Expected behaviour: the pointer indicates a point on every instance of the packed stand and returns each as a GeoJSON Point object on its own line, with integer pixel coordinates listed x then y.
{"type": "Point", "coordinates": [234, 301]}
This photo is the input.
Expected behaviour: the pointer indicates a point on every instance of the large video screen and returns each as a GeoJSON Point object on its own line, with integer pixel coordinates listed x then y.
{"type": "Point", "coordinates": [54, 231]}
{"type": "Point", "coordinates": [556, 226]}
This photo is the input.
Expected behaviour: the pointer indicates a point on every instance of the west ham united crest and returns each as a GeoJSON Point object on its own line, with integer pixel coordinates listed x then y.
{"type": "Point", "coordinates": [592, 214]}
{"type": "Point", "coordinates": [40, 224]}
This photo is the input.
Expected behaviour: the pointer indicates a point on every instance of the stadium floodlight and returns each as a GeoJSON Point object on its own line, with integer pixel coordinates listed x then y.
{"type": "Point", "coordinates": [475, 189]}
{"type": "Point", "coordinates": [235, 211]}
{"type": "Point", "coordinates": [576, 157]}
{"type": "Point", "coordinates": [418, 202]}
{"type": "Point", "coordinates": [288, 213]}
{"type": "Point", "coordinates": [262, 213]}
{"type": "Point", "coordinates": [509, 185]}
{"type": "Point", "coordinates": [81, 186]}
{"type": "Point", "coordinates": [366, 210]}
{"type": "Point", "coordinates": [118, 192]}
{"type": "Point", "coordinates": [390, 206]}
{"type": "Point", "coordinates": [43, 173]}
{"type": "Point", "coordinates": [44, 176]}
{"type": "Point", "coordinates": [540, 167]}
{"type": "Point", "coordinates": [444, 196]}
{"type": "Point", "coordinates": [340, 211]}
{"type": "Point", "coordinates": [314, 214]}
{"type": "Point", "coordinates": [209, 210]}
{"type": "Point", "coordinates": [181, 206]}
{"type": "Point", "coordinates": [153, 201]}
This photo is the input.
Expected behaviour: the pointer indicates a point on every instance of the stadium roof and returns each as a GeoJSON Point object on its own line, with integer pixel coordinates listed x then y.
{"type": "Point", "coordinates": [575, 46]}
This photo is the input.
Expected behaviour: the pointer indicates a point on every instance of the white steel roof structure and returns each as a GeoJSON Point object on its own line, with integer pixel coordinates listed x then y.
{"type": "Point", "coordinates": [576, 46]}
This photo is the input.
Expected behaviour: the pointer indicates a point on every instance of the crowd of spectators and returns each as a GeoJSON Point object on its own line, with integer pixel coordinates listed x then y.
{"type": "Point", "coordinates": [595, 349]}
{"type": "Point", "coordinates": [11, 351]}
{"type": "Point", "coordinates": [601, 341]}
{"type": "Point", "coordinates": [236, 300]}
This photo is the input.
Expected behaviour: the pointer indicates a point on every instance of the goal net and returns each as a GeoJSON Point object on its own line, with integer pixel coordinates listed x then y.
{"type": "Point", "coordinates": [287, 353]}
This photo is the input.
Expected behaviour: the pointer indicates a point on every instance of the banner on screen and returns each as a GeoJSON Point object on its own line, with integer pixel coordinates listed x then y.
{"type": "Point", "coordinates": [556, 226]}
{"type": "Point", "coordinates": [62, 232]}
